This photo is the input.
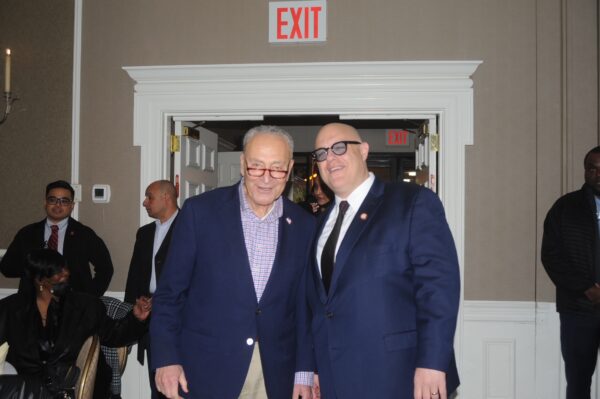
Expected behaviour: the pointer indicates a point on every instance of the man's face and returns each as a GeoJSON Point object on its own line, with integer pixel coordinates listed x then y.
{"type": "Point", "coordinates": [155, 201]}
{"type": "Point", "coordinates": [58, 211]}
{"type": "Point", "coordinates": [265, 151]}
{"type": "Point", "coordinates": [342, 173]}
{"type": "Point", "coordinates": [592, 172]}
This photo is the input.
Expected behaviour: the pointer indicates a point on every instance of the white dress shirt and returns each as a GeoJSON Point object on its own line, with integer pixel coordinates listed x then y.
{"type": "Point", "coordinates": [62, 230]}
{"type": "Point", "coordinates": [355, 200]}
{"type": "Point", "coordinates": [160, 232]}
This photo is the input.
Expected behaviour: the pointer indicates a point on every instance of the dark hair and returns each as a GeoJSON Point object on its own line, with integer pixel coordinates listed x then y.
{"type": "Point", "coordinates": [43, 263]}
{"type": "Point", "coordinates": [324, 188]}
{"type": "Point", "coordinates": [60, 184]}
{"type": "Point", "coordinates": [594, 150]}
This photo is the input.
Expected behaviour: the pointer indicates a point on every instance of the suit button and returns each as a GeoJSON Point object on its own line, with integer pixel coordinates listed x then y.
{"type": "Point", "coordinates": [249, 342]}
{"type": "Point", "coordinates": [258, 311]}
{"type": "Point", "coordinates": [329, 315]}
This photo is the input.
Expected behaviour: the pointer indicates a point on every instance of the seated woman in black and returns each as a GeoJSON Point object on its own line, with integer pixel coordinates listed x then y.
{"type": "Point", "coordinates": [46, 331]}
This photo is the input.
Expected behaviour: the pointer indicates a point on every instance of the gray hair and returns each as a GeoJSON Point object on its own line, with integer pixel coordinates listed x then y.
{"type": "Point", "coordinates": [273, 130]}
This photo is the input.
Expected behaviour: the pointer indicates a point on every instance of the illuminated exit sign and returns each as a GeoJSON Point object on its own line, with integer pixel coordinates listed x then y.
{"type": "Point", "coordinates": [297, 21]}
{"type": "Point", "coordinates": [397, 137]}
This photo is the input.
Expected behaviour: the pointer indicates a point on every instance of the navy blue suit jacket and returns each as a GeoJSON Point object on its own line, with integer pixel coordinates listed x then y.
{"type": "Point", "coordinates": [205, 315]}
{"type": "Point", "coordinates": [393, 301]}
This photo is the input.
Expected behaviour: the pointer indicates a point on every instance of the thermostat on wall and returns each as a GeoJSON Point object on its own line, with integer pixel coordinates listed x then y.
{"type": "Point", "coordinates": [101, 193]}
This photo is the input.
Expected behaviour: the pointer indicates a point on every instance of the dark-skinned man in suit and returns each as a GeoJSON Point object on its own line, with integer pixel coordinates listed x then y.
{"type": "Point", "coordinates": [151, 245]}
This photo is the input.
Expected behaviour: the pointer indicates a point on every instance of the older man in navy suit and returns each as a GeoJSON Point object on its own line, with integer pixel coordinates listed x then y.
{"type": "Point", "coordinates": [229, 315]}
{"type": "Point", "coordinates": [384, 288]}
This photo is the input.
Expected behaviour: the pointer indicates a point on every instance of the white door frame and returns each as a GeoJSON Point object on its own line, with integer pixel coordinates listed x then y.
{"type": "Point", "coordinates": [369, 89]}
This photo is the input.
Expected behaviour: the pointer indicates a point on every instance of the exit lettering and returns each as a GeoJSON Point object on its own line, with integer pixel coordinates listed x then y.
{"type": "Point", "coordinates": [397, 137]}
{"type": "Point", "coordinates": [297, 21]}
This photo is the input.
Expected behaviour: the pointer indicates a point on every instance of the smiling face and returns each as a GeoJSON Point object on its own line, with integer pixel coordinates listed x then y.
{"type": "Point", "coordinates": [342, 173]}
{"type": "Point", "coordinates": [59, 211]}
{"type": "Point", "coordinates": [265, 151]}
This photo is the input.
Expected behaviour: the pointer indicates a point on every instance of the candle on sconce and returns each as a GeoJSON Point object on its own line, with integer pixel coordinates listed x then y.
{"type": "Point", "coordinates": [7, 72]}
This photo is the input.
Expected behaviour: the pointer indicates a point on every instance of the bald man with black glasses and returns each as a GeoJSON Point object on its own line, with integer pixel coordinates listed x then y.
{"type": "Point", "coordinates": [78, 243]}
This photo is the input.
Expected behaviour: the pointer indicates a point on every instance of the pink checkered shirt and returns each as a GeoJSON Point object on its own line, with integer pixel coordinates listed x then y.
{"type": "Point", "coordinates": [262, 237]}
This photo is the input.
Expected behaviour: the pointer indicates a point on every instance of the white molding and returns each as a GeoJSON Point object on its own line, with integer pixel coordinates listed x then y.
{"type": "Point", "coordinates": [76, 93]}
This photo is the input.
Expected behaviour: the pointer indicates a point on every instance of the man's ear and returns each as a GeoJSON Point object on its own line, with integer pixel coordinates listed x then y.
{"type": "Point", "coordinates": [242, 164]}
{"type": "Point", "coordinates": [364, 150]}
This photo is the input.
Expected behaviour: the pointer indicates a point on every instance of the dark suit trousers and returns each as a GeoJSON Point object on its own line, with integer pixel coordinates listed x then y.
{"type": "Point", "coordinates": [152, 373]}
{"type": "Point", "coordinates": [579, 339]}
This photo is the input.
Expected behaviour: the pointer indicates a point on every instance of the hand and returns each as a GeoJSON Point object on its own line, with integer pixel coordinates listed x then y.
{"type": "Point", "coordinates": [430, 384]}
{"type": "Point", "coordinates": [593, 294]}
{"type": "Point", "coordinates": [315, 207]}
{"type": "Point", "coordinates": [301, 391]}
{"type": "Point", "coordinates": [316, 388]}
{"type": "Point", "coordinates": [142, 308]}
{"type": "Point", "coordinates": [168, 379]}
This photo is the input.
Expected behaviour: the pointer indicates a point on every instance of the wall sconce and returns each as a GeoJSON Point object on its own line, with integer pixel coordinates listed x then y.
{"type": "Point", "coordinates": [7, 94]}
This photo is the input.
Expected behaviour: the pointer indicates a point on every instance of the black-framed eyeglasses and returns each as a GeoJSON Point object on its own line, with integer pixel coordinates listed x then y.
{"type": "Point", "coordinates": [339, 148]}
{"type": "Point", "coordinates": [59, 201]}
{"type": "Point", "coordinates": [260, 172]}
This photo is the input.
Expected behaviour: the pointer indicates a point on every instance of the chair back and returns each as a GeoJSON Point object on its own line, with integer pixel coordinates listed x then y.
{"type": "Point", "coordinates": [87, 361]}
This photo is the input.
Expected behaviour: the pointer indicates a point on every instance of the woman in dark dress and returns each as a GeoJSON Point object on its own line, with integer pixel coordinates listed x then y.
{"type": "Point", "coordinates": [320, 197]}
{"type": "Point", "coordinates": [45, 331]}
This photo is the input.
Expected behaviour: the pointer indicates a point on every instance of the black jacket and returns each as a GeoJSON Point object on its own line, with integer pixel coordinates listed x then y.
{"type": "Point", "coordinates": [81, 248]}
{"type": "Point", "coordinates": [140, 270]}
{"type": "Point", "coordinates": [569, 250]}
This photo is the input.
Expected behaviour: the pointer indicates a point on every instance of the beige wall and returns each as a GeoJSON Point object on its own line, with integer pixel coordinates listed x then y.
{"type": "Point", "coordinates": [536, 104]}
{"type": "Point", "coordinates": [35, 141]}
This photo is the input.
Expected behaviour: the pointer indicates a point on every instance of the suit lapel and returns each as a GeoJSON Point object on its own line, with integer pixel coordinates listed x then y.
{"type": "Point", "coordinates": [315, 263]}
{"type": "Point", "coordinates": [161, 254]}
{"type": "Point", "coordinates": [234, 234]}
{"type": "Point", "coordinates": [361, 220]}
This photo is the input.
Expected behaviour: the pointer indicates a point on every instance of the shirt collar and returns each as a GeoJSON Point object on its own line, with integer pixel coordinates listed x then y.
{"type": "Point", "coordinates": [274, 213]}
{"type": "Point", "coordinates": [61, 225]}
{"type": "Point", "coordinates": [356, 197]}
{"type": "Point", "coordinates": [168, 221]}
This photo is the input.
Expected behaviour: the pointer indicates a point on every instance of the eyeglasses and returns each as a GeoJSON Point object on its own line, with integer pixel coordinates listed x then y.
{"type": "Point", "coordinates": [59, 201]}
{"type": "Point", "coordinates": [339, 148]}
{"type": "Point", "coordinates": [260, 172]}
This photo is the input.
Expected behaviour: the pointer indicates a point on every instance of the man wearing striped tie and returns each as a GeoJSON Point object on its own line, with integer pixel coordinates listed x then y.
{"type": "Point", "coordinates": [78, 243]}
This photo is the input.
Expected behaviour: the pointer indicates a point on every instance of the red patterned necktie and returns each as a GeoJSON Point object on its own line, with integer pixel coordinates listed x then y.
{"type": "Point", "coordinates": [53, 240]}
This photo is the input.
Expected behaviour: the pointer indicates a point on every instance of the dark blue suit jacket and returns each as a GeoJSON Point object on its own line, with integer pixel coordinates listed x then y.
{"type": "Point", "coordinates": [393, 300]}
{"type": "Point", "coordinates": [205, 310]}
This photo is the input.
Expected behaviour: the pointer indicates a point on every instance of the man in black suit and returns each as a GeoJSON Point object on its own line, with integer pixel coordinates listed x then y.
{"type": "Point", "coordinates": [78, 243]}
{"type": "Point", "coordinates": [150, 250]}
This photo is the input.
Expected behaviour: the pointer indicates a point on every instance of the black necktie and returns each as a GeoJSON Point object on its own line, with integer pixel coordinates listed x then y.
{"type": "Point", "coordinates": [328, 254]}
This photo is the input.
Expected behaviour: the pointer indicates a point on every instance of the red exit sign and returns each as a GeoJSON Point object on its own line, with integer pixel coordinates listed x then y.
{"type": "Point", "coordinates": [397, 137]}
{"type": "Point", "coordinates": [297, 21]}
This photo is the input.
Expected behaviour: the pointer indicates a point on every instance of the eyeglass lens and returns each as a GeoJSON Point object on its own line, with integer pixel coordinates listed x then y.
{"type": "Point", "coordinates": [338, 148]}
{"type": "Point", "coordinates": [60, 201]}
{"type": "Point", "coordinates": [260, 172]}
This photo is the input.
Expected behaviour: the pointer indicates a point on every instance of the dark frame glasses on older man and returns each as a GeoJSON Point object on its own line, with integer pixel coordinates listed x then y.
{"type": "Point", "coordinates": [339, 148]}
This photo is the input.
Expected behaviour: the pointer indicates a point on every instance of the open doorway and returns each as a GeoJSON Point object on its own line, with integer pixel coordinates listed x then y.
{"type": "Point", "coordinates": [399, 150]}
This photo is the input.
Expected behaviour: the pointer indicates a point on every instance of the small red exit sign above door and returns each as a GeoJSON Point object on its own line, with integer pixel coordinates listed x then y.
{"type": "Point", "coordinates": [397, 137]}
{"type": "Point", "coordinates": [297, 21]}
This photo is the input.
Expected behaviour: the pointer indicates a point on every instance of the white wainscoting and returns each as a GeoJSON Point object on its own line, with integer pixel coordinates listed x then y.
{"type": "Point", "coordinates": [511, 350]}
